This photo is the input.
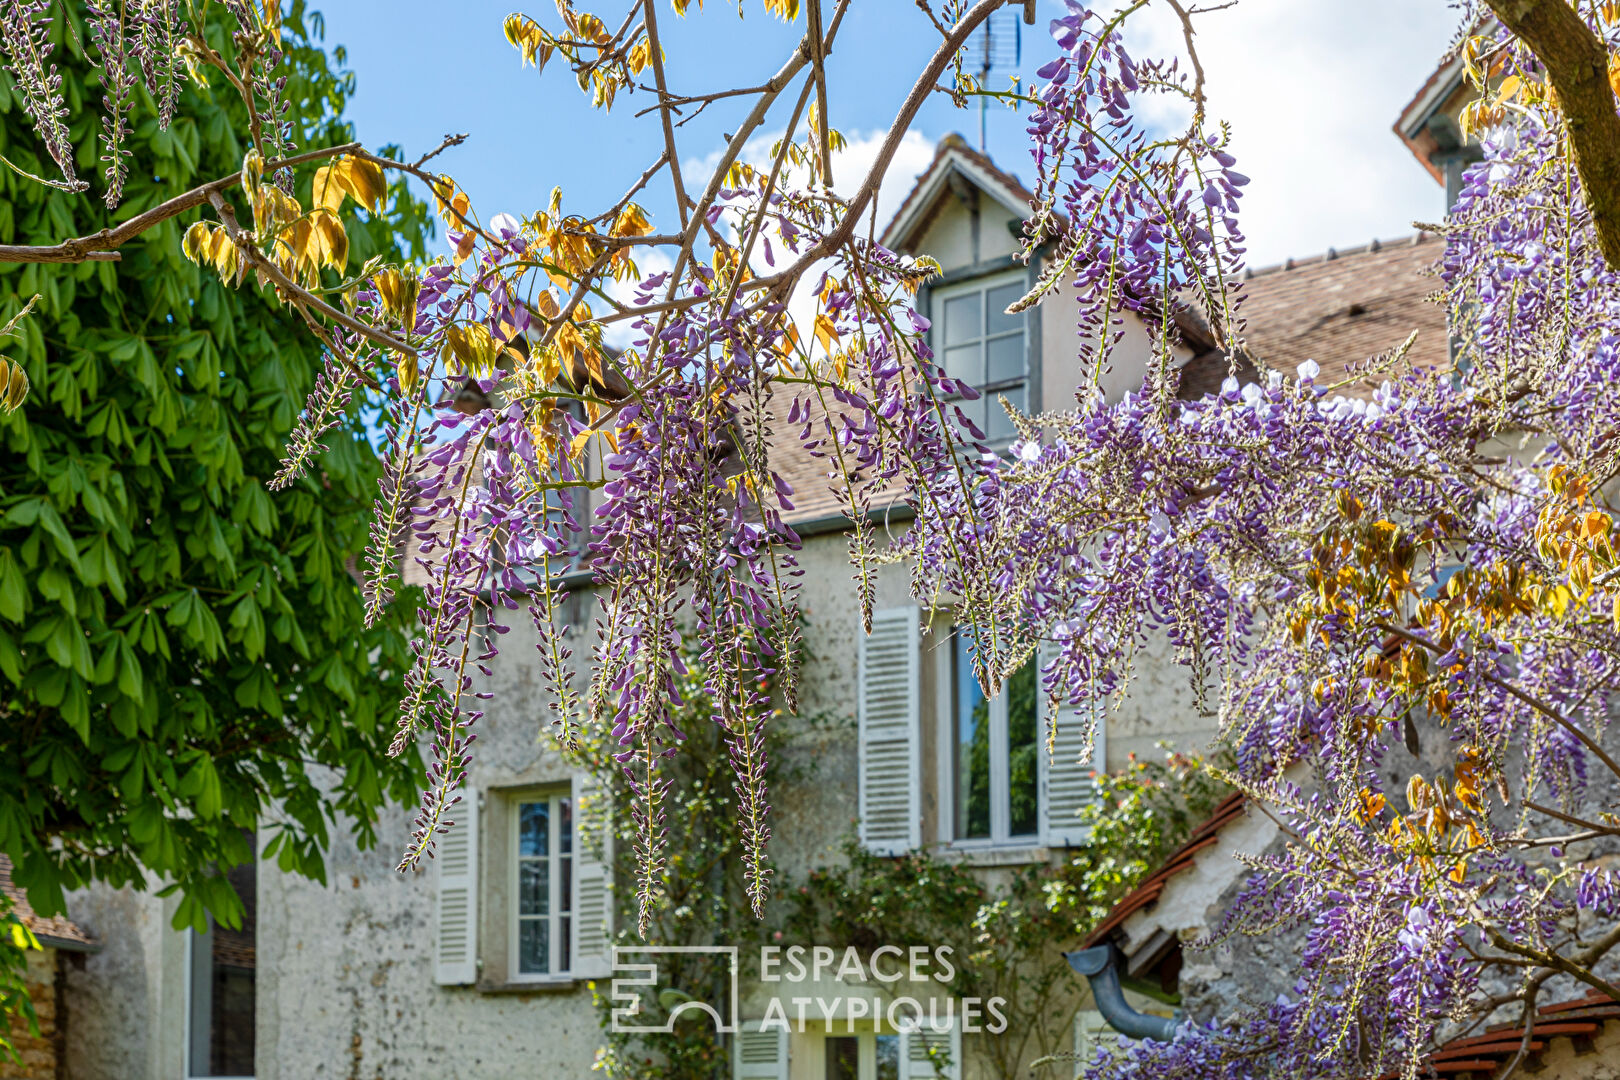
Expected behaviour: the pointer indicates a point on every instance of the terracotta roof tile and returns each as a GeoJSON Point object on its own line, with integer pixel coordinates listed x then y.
{"type": "Point", "coordinates": [1343, 309]}
{"type": "Point", "coordinates": [1484, 1054]}
{"type": "Point", "coordinates": [56, 931]}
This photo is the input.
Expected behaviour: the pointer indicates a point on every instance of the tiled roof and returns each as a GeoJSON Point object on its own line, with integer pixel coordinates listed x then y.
{"type": "Point", "coordinates": [1345, 308]}
{"type": "Point", "coordinates": [1484, 1054]}
{"type": "Point", "coordinates": [1148, 892]}
{"type": "Point", "coordinates": [57, 931]}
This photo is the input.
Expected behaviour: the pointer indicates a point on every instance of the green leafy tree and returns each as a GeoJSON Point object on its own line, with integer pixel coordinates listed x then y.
{"type": "Point", "coordinates": [182, 654]}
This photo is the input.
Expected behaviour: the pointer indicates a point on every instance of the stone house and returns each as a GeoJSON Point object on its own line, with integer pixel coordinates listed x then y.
{"type": "Point", "coordinates": [482, 965]}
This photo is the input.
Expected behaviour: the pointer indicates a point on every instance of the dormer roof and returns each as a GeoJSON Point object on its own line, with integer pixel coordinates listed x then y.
{"type": "Point", "coordinates": [953, 157]}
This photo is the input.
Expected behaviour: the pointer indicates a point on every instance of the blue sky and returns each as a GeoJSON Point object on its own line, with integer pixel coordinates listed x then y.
{"type": "Point", "coordinates": [1311, 87]}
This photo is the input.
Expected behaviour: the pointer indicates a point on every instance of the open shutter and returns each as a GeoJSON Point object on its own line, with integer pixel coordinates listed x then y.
{"type": "Point", "coordinates": [1066, 780]}
{"type": "Point", "coordinates": [886, 695]}
{"type": "Point", "coordinates": [930, 1054]}
{"type": "Point", "coordinates": [593, 878]}
{"type": "Point", "coordinates": [455, 960]}
{"type": "Point", "coordinates": [760, 1055]}
{"type": "Point", "coordinates": [1091, 1033]}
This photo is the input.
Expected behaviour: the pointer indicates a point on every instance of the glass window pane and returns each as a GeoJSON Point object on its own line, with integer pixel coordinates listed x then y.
{"type": "Point", "coordinates": [565, 826]}
{"type": "Point", "coordinates": [534, 946]}
{"type": "Point", "coordinates": [222, 986]}
{"type": "Point", "coordinates": [996, 302]}
{"type": "Point", "coordinates": [844, 1058]}
{"type": "Point", "coordinates": [972, 746]}
{"type": "Point", "coordinates": [565, 883]}
{"type": "Point", "coordinates": [965, 362]}
{"type": "Point", "coordinates": [888, 1057]}
{"type": "Point", "coordinates": [962, 318]}
{"type": "Point", "coordinates": [534, 887]}
{"type": "Point", "coordinates": [534, 829]}
{"type": "Point", "coordinates": [565, 943]}
{"type": "Point", "coordinates": [1005, 358]}
{"type": "Point", "coordinates": [1000, 424]}
{"type": "Point", "coordinates": [1023, 706]}
{"type": "Point", "coordinates": [973, 410]}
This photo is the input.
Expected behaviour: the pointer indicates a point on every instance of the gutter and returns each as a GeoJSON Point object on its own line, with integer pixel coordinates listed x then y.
{"type": "Point", "coordinates": [1099, 964]}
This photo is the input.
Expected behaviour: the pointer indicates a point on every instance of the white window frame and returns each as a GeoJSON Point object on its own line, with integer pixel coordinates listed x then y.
{"type": "Point", "coordinates": [1000, 768]}
{"type": "Point", "coordinates": [556, 895]}
{"type": "Point", "coordinates": [982, 286]}
{"type": "Point", "coordinates": [186, 1029]}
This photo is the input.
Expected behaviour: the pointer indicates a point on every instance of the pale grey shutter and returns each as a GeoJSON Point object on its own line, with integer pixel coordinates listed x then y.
{"type": "Point", "coordinates": [1091, 1033]}
{"type": "Point", "coordinates": [593, 878]}
{"type": "Point", "coordinates": [760, 1055]}
{"type": "Point", "coordinates": [890, 803]}
{"type": "Point", "coordinates": [930, 1054]}
{"type": "Point", "coordinates": [455, 957]}
{"type": "Point", "coordinates": [1066, 773]}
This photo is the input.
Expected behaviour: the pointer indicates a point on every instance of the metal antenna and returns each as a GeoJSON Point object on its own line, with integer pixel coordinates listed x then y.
{"type": "Point", "coordinates": [1001, 50]}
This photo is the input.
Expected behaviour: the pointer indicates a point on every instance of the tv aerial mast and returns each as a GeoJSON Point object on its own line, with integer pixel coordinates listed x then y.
{"type": "Point", "coordinates": [1000, 49]}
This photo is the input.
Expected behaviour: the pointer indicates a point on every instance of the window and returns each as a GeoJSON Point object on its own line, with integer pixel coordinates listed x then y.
{"type": "Point", "coordinates": [220, 999]}
{"type": "Point", "coordinates": [863, 1057]}
{"type": "Point", "coordinates": [995, 761]}
{"type": "Point", "coordinates": [978, 343]}
{"type": "Point", "coordinates": [543, 872]}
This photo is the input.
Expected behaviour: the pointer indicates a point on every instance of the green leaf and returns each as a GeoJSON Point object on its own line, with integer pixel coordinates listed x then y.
{"type": "Point", "coordinates": [13, 588]}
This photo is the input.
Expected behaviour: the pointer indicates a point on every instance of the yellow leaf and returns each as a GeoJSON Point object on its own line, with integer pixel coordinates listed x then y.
{"type": "Point", "coordinates": [398, 292]}
{"type": "Point", "coordinates": [632, 221]}
{"type": "Point", "coordinates": [13, 385]}
{"type": "Point", "coordinates": [196, 238]}
{"type": "Point", "coordinates": [334, 239]}
{"type": "Point", "coordinates": [826, 331]}
{"type": "Point", "coordinates": [327, 191]}
{"type": "Point", "coordinates": [464, 246]}
{"type": "Point", "coordinates": [640, 56]}
{"type": "Point", "coordinates": [474, 346]}
{"type": "Point", "coordinates": [363, 179]}
{"type": "Point", "coordinates": [407, 371]}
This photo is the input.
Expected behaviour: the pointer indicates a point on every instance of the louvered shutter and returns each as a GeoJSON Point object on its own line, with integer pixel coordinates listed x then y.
{"type": "Point", "coordinates": [930, 1054]}
{"type": "Point", "coordinates": [455, 960]}
{"type": "Point", "coordinates": [760, 1055]}
{"type": "Point", "coordinates": [1091, 1033]}
{"type": "Point", "coordinates": [887, 691]}
{"type": "Point", "coordinates": [593, 877]}
{"type": "Point", "coordinates": [1066, 780]}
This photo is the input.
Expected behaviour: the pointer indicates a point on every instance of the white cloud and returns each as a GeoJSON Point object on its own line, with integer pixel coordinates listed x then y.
{"type": "Point", "coordinates": [1312, 90]}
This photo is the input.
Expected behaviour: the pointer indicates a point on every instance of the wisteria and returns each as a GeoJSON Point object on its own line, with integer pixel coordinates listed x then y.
{"type": "Point", "coordinates": [24, 36]}
{"type": "Point", "coordinates": [1407, 559]}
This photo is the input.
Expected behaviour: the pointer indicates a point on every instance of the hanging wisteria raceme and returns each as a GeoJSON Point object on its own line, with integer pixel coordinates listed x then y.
{"type": "Point", "coordinates": [24, 37]}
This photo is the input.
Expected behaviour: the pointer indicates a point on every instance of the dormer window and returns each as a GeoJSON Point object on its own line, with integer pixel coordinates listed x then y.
{"type": "Point", "coordinates": [976, 341]}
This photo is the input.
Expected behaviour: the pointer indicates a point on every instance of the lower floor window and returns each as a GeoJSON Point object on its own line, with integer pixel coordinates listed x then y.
{"type": "Point", "coordinates": [863, 1057]}
{"type": "Point", "coordinates": [544, 887]}
{"type": "Point", "coordinates": [220, 995]}
{"type": "Point", "coordinates": [996, 786]}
